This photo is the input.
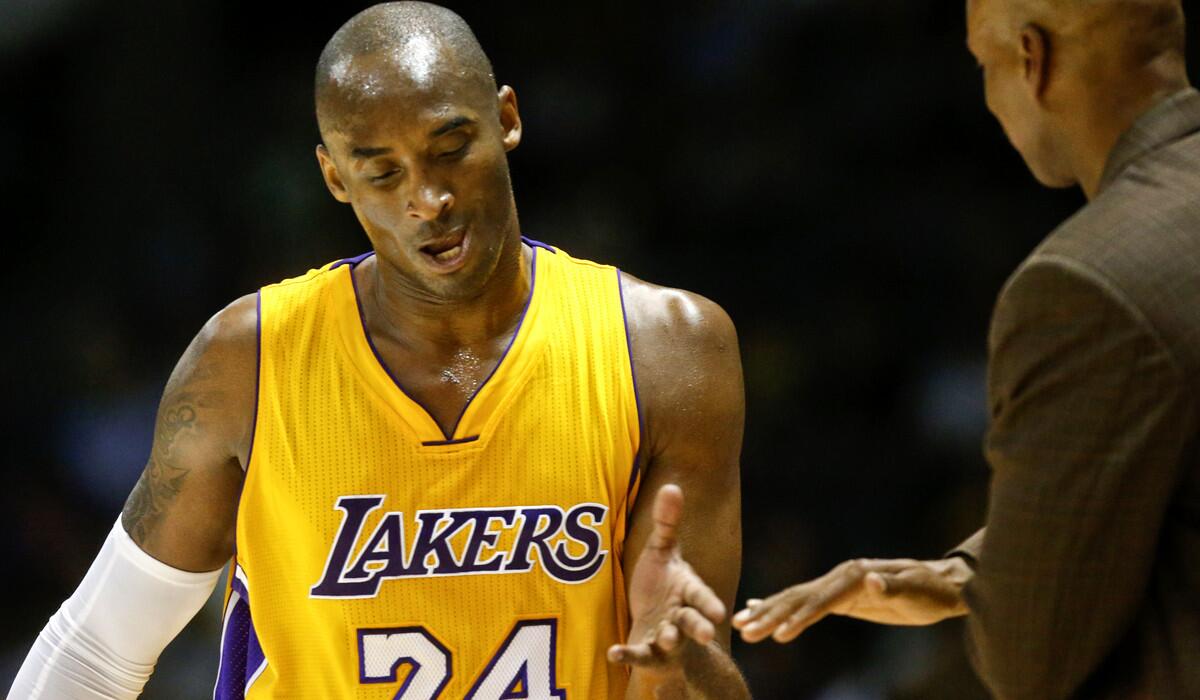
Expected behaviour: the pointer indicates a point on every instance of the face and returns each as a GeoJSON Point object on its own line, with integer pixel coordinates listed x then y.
{"type": "Point", "coordinates": [1013, 62]}
{"type": "Point", "coordinates": [424, 165]}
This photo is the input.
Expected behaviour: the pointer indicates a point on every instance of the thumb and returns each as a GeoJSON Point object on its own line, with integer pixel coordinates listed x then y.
{"type": "Point", "coordinates": [914, 583]}
{"type": "Point", "coordinates": [879, 583]}
{"type": "Point", "coordinates": [904, 583]}
{"type": "Point", "coordinates": [667, 512]}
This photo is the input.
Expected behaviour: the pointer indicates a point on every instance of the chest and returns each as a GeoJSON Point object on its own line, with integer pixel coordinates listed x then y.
{"type": "Point", "coordinates": [444, 381]}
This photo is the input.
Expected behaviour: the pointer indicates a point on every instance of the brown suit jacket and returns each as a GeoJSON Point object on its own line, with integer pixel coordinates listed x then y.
{"type": "Point", "coordinates": [1087, 583]}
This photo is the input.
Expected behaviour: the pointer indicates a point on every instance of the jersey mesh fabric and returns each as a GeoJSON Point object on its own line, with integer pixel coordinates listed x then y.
{"type": "Point", "coordinates": [554, 428]}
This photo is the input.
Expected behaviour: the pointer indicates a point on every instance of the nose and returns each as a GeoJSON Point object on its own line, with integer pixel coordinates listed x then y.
{"type": "Point", "coordinates": [429, 202]}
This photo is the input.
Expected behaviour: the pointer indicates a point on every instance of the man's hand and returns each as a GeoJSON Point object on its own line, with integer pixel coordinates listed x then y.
{"type": "Point", "coordinates": [886, 591]}
{"type": "Point", "coordinates": [668, 602]}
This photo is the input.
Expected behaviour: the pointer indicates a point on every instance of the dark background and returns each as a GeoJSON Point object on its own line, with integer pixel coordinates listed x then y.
{"type": "Point", "coordinates": [824, 169]}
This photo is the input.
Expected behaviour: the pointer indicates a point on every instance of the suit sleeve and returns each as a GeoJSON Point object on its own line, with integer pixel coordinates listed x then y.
{"type": "Point", "coordinates": [1090, 417]}
{"type": "Point", "coordinates": [970, 548]}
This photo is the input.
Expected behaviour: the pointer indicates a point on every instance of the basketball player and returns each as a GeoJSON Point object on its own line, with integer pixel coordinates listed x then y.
{"type": "Point", "coordinates": [1084, 582]}
{"type": "Point", "coordinates": [432, 464]}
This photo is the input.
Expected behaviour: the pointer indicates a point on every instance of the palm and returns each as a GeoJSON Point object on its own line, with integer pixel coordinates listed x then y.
{"type": "Point", "coordinates": [657, 584]}
{"type": "Point", "coordinates": [867, 603]}
{"type": "Point", "coordinates": [668, 601]}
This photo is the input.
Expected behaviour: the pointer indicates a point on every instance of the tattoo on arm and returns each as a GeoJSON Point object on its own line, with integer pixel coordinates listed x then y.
{"type": "Point", "coordinates": [163, 477]}
{"type": "Point", "coordinates": [183, 509]}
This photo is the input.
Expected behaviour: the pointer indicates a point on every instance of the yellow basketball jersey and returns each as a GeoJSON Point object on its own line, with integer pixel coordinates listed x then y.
{"type": "Point", "coordinates": [379, 558]}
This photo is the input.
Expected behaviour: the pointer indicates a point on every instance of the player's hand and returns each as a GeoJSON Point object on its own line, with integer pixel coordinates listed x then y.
{"type": "Point", "coordinates": [886, 591]}
{"type": "Point", "coordinates": [669, 603]}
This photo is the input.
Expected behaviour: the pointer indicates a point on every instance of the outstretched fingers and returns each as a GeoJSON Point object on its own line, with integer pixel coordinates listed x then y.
{"type": "Point", "coordinates": [694, 625]}
{"type": "Point", "coordinates": [698, 595]}
{"type": "Point", "coordinates": [759, 621]}
{"type": "Point", "coordinates": [788, 613]}
{"type": "Point", "coordinates": [799, 621]}
{"type": "Point", "coordinates": [651, 651]}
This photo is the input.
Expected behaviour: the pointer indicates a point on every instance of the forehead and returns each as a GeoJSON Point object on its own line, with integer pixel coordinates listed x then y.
{"type": "Point", "coordinates": [418, 60]}
{"type": "Point", "coordinates": [376, 93]}
{"type": "Point", "coordinates": [404, 73]}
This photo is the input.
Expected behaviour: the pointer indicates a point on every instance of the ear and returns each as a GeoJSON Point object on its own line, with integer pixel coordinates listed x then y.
{"type": "Point", "coordinates": [330, 172]}
{"type": "Point", "coordinates": [1036, 59]}
{"type": "Point", "coordinates": [510, 118]}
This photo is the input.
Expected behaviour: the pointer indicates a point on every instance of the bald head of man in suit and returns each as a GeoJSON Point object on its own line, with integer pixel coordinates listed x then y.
{"type": "Point", "coordinates": [1066, 78]}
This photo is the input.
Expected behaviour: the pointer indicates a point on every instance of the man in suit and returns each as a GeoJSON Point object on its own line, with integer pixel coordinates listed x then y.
{"type": "Point", "coordinates": [1086, 580]}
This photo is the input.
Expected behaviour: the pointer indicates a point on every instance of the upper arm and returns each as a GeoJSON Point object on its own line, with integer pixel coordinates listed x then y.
{"type": "Point", "coordinates": [1090, 420]}
{"type": "Point", "coordinates": [689, 375]}
{"type": "Point", "coordinates": [184, 507]}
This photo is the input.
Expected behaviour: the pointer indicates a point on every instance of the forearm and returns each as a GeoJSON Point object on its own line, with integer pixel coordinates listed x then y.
{"type": "Point", "coordinates": [706, 672]}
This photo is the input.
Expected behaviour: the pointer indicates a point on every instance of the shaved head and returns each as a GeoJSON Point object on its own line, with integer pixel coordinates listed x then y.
{"type": "Point", "coordinates": [1138, 29]}
{"type": "Point", "coordinates": [1067, 77]}
{"type": "Point", "coordinates": [413, 45]}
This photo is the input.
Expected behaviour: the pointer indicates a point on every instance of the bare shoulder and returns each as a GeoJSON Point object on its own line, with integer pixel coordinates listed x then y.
{"type": "Point", "coordinates": [676, 316]}
{"type": "Point", "coordinates": [686, 361]}
{"type": "Point", "coordinates": [233, 330]}
{"type": "Point", "coordinates": [237, 322]}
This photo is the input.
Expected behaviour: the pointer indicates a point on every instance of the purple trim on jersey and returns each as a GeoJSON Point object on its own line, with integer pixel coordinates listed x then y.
{"type": "Point", "coordinates": [231, 675]}
{"type": "Point", "coordinates": [352, 261]}
{"type": "Point", "coordinates": [362, 317]}
{"type": "Point", "coordinates": [439, 443]}
{"type": "Point", "coordinates": [256, 659]}
{"type": "Point", "coordinates": [537, 244]}
{"type": "Point", "coordinates": [513, 339]}
{"type": "Point", "coordinates": [555, 691]}
{"type": "Point", "coordinates": [242, 656]}
{"type": "Point", "coordinates": [404, 660]}
{"type": "Point", "coordinates": [237, 585]}
{"type": "Point", "coordinates": [257, 372]}
{"type": "Point", "coordinates": [637, 402]}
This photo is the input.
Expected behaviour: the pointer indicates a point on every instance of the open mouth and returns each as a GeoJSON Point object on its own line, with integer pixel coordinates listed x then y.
{"type": "Point", "coordinates": [448, 250]}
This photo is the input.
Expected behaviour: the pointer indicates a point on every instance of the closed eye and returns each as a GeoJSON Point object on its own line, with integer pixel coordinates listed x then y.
{"type": "Point", "coordinates": [461, 150]}
{"type": "Point", "coordinates": [383, 176]}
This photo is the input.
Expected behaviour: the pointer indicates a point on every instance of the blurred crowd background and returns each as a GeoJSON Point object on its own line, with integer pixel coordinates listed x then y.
{"type": "Point", "coordinates": [824, 169]}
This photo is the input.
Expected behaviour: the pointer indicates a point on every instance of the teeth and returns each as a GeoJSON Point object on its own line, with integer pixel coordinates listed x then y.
{"type": "Point", "coordinates": [448, 255]}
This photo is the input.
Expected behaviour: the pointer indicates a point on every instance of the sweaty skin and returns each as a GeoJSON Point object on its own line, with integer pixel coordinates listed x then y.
{"type": "Point", "coordinates": [421, 158]}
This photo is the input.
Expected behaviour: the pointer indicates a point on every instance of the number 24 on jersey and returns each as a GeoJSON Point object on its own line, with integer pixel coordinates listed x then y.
{"type": "Point", "coordinates": [524, 666]}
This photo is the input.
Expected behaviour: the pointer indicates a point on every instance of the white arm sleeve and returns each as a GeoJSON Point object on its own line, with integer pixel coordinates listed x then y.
{"type": "Point", "coordinates": [105, 639]}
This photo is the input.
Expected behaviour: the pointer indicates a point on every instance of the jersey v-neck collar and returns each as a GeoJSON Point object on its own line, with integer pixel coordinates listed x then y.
{"type": "Point", "coordinates": [483, 407]}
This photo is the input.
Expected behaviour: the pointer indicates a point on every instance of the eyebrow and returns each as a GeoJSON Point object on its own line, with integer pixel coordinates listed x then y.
{"type": "Point", "coordinates": [363, 152]}
{"type": "Point", "coordinates": [369, 152]}
{"type": "Point", "coordinates": [452, 125]}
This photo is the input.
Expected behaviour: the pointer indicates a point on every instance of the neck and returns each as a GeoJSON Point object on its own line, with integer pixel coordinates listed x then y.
{"type": "Point", "coordinates": [423, 323]}
{"type": "Point", "coordinates": [1114, 108]}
